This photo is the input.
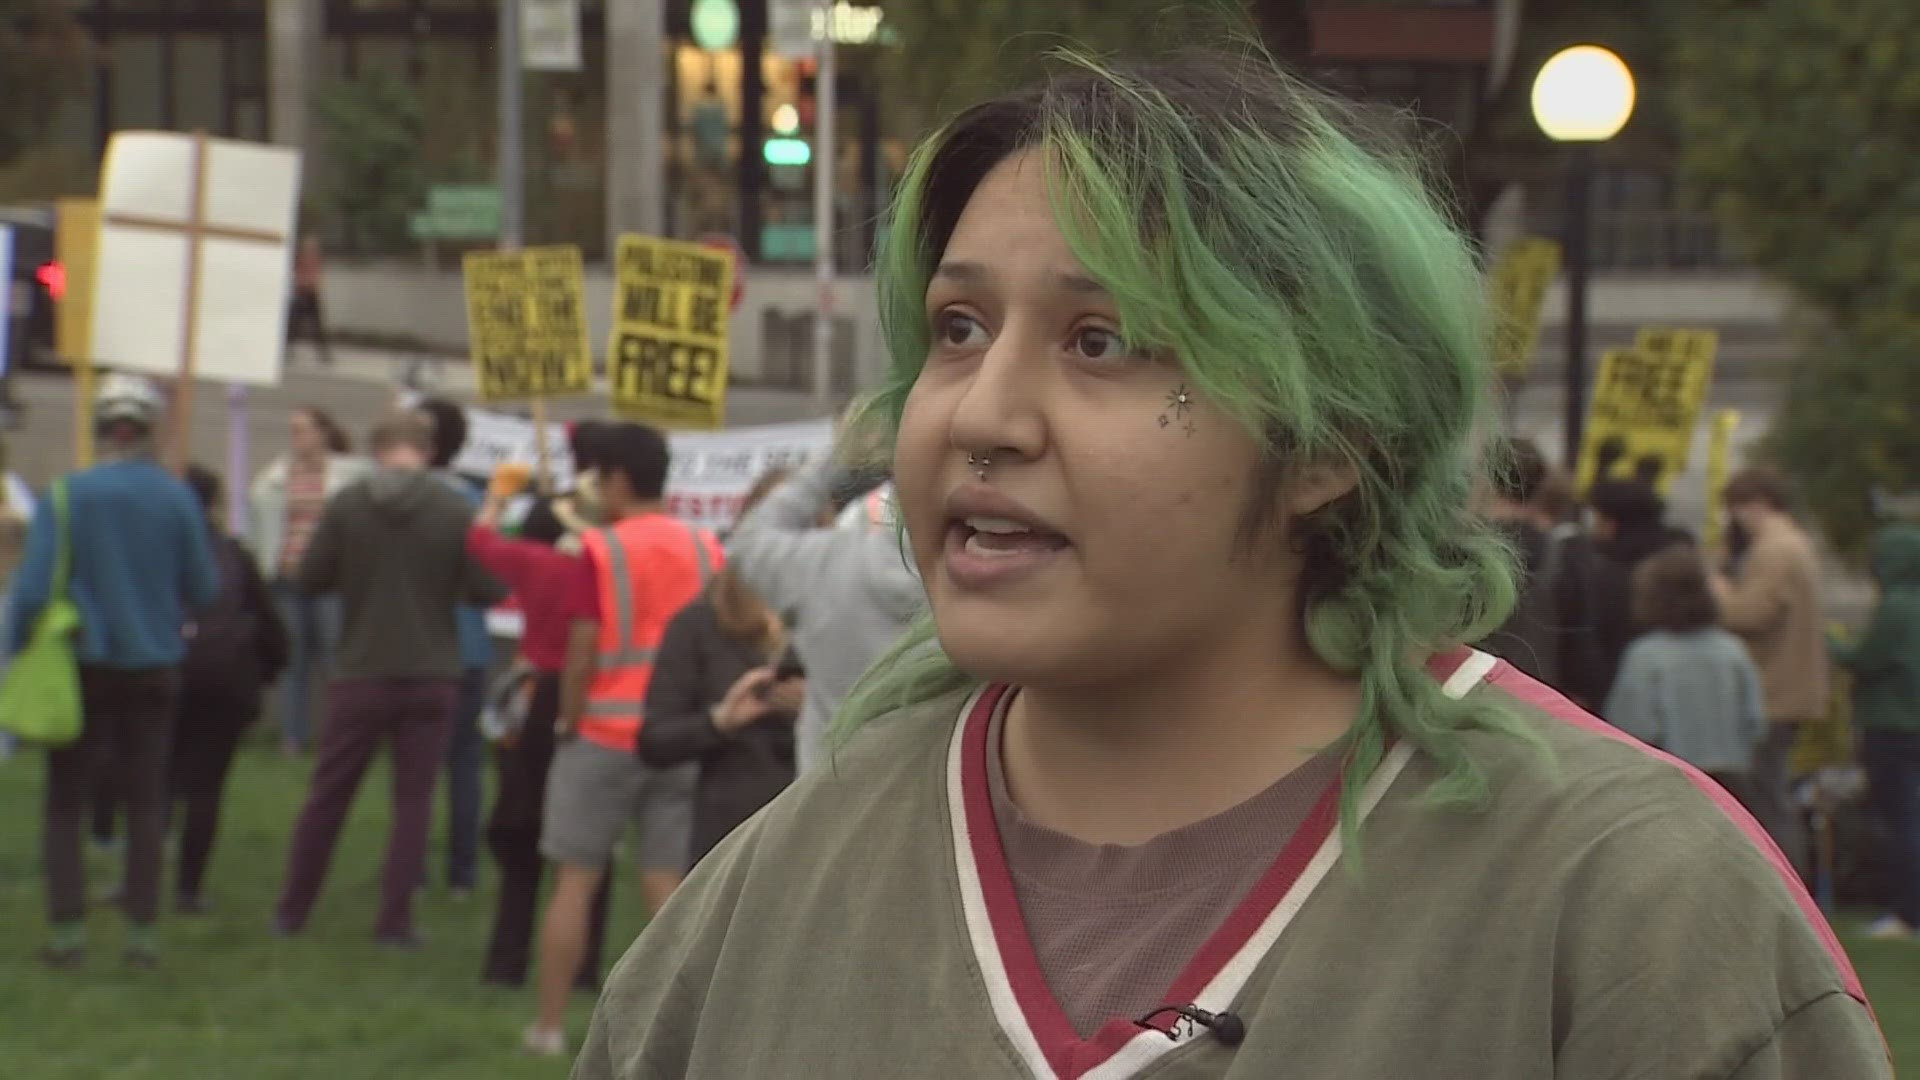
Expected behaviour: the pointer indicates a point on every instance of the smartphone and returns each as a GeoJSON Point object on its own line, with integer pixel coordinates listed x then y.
{"type": "Point", "coordinates": [788, 667]}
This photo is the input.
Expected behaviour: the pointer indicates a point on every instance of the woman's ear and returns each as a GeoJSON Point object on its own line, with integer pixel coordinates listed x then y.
{"type": "Point", "coordinates": [1313, 488]}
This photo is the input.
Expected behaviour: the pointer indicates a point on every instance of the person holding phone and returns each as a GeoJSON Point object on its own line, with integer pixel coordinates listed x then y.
{"type": "Point", "coordinates": [720, 697]}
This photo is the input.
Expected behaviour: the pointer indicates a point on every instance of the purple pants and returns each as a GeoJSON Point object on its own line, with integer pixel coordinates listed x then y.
{"type": "Point", "coordinates": [416, 717]}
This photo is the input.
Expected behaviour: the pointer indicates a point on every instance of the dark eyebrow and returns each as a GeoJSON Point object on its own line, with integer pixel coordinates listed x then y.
{"type": "Point", "coordinates": [973, 273]}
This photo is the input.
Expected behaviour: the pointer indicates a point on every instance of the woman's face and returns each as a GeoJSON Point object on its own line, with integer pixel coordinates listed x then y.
{"type": "Point", "coordinates": [1102, 542]}
{"type": "Point", "coordinates": [306, 436]}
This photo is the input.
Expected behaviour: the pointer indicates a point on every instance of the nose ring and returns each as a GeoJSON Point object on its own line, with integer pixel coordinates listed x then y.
{"type": "Point", "coordinates": [979, 463]}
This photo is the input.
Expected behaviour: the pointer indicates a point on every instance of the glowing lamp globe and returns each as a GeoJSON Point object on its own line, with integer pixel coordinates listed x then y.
{"type": "Point", "coordinates": [1583, 94]}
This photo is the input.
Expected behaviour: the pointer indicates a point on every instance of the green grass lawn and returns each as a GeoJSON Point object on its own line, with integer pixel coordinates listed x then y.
{"type": "Point", "coordinates": [231, 1001]}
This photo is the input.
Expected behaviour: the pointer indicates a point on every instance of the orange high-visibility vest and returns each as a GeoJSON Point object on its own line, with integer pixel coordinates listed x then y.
{"type": "Point", "coordinates": [646, 568]}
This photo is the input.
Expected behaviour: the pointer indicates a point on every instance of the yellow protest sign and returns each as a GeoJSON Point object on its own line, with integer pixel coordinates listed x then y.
{"type": "Point", "coordinates": [76, 239]}
{"type": "Point", "coordinates": [1719, 467]}
{"type": "Point", "coordinates": [527, 318]}
{"type": "Point", "coordinates": [1517, 289]}
{"type": "Point", "coordinates": [667, 360]}
{"type": "Point", "coordinates": [1645, 405]}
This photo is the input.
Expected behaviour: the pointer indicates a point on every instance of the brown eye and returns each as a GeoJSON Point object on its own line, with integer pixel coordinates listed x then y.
{"type": "Point", "coordinates": [958, 331]}
{"type": "Point", "coordinates": [1098, 343]}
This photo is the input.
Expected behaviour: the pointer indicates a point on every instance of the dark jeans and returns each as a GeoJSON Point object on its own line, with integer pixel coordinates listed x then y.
{"type": "Point", "coordinates": [1892, 761]}
{"type": "Point", "coordinates": [415, 716]}
{"type": "Point", "coordinates": [204, 741]}
{"type": "Point", "coordinates": [1769, 796]}
{"type": "Point", "coordinates": [513, 835]}
{"type": "Point", "coordinates": [122, 746]}
{"type": "Point", "coordinates": [466, 753]}
{"type": "Point", "coordinates": [313, 625]}
{"type": "Point", "coordinates": [306, 323]}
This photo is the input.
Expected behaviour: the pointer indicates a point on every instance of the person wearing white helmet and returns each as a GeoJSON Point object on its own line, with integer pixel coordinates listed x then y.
{"type": "Point", "coordinates": [139, 565]}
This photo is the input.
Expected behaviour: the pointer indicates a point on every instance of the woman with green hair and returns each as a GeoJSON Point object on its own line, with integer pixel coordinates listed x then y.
{"type": "Point", "coordinates": [1187, 773]}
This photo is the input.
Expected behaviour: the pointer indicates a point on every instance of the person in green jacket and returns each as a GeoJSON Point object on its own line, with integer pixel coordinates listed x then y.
{"type": "Point", "coordinates": [1885, 663]}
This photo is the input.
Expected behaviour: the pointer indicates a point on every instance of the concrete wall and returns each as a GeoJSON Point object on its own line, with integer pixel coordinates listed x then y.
{"type": "Point", "coordinates": [427, 306]}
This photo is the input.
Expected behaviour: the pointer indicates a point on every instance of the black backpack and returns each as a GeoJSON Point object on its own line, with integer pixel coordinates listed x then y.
{"type": "Point", "coordinates": [238, 644]}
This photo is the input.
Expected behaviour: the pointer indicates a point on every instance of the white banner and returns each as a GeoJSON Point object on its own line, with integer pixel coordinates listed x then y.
{"type": "Point", "coordinates": [550, 35]}
{"type": "Point", "coordinates": [711, 472]}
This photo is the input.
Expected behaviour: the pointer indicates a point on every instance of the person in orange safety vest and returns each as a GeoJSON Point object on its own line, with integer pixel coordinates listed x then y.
{"type": "Point", "coordinates": [646, 567]}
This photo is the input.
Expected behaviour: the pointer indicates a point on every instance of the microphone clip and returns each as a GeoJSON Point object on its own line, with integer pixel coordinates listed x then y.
{"type": "Point", "coordinates": [1225, 1026]}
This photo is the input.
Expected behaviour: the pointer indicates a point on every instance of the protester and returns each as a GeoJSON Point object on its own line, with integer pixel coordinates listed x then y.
{"type": "Point", "coordinates": [15, 513]}
{"type": "Point", "coordinates": [393, 547]}
{"type": "Point", "coordinates": [646, 566]}
{"type": "Point", "coordinates": [466, 753]}
{"type": "Point", "coordinates": [236, 647]}
{"type": "Point", "coordinates": [1530, 638]}
{"type": "Point", "coordinates": [579, 509]}
{"type": "Point", "coordinates": [1885, 663]}
{"type": "Point", "coordinates": [284, 507]}
{"type": "Point", "coordinates": [140, 565]}
{"type": "Point", "coordinates": [717, 698]}
{"type": "Point", "coordinates": [554, 590]}
{"type": "Point", "coordinates": [1687, 686]}
{"type": "Point", "coordinates": [1774, 605]}
{"type": "Point", "coordinates": [847, 591]}
{"type": "Point", "coordinates": [1567, 621]}
{"type": "Point", "coordinates": [1185, 387]}
{"type": "Point", "coordinates": [306, 320]}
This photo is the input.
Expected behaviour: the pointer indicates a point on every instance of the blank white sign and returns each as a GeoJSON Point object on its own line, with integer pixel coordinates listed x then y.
{"type": "Point", "coordinates": [140, 297]}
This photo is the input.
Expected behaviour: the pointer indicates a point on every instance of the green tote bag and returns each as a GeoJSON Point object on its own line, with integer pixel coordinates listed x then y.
{"type": "Point", "coordinates": [40, 696]}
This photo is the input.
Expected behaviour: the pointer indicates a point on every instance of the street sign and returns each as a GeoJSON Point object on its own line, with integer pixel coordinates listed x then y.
{"type": "Point", "coordinates": [550, 35]}
{"type": "Point", "coordinates": [790, 28]}
{"type": "Point", "coordinates": [458, 212]}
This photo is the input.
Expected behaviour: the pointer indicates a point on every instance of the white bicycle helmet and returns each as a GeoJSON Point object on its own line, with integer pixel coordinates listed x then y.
{"type": "Point", "coordinates": [128, 397]}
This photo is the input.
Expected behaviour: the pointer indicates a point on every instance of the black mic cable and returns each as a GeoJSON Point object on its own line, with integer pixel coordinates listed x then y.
{"type": "Point", "coordinates": [1225, 1026]}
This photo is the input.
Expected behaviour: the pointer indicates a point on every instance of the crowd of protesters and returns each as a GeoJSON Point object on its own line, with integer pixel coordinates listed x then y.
{"type": "Point", "coordinates": [1721, 658]}
{"type": "Point", "coordinates": [1122, 712]}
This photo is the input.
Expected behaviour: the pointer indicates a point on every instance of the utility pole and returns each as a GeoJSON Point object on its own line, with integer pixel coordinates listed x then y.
{"type": "Point", "coordinates": [512, 163]}
{"type": "Point", "coordinates": [636, 66]}
{"type": "Point", "coordinates": [825, 97]}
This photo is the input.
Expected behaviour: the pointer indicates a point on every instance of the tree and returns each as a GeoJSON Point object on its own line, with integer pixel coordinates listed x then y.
{"type": "Point", "coordinates": [1801, 126]}
{"type": "Point", "coordinates": [44, 59]}
{"type": "Point", "coordinates": [951, 53]}
{"type": "Point", "coordinates": [373, 128]}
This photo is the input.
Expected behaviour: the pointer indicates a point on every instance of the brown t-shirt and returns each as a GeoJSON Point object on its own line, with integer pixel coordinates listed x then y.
{"type": "Point", "coordinates": [1113, 925]}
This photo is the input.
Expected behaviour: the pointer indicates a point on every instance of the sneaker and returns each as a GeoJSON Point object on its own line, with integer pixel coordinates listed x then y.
{"type": "Point", "coordinates": [544, 1042]}
{"type": "Point", "coordinates": [1890, 928]}
{"type": "Point", "coordinates": [404, 941]}
{"type": "Point", "coordinates": [140, 959]}
{"type": "Point", "coordinates": [62, 959]}
{"type": "Point", "coordinates": [191, 905]}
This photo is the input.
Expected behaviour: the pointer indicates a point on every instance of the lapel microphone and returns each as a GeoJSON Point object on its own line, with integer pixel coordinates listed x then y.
{"type": "Point", "coordinates": [1225, 1026]}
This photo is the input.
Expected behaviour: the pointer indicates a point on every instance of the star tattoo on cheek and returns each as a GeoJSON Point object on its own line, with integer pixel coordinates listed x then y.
{"type": "Point", "coordinates": [1179, 408]}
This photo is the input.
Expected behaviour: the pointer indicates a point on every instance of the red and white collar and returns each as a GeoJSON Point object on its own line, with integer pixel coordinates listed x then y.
{"type": "Point", "coordinates": [1022, 1002]}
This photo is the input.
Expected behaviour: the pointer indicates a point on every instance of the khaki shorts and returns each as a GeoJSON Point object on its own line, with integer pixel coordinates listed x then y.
{"type": "Point", "coordinates": [593, 791]}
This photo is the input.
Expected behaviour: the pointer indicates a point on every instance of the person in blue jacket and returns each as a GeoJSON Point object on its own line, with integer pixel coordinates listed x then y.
{"type": "Point", "coordinates": [466, 754]}
{"type": "Point", "coordinates": [141, 566]}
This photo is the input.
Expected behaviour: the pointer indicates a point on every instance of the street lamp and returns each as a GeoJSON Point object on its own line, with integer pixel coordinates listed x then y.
{"type": "Point", "coordinates": [1582, 96]}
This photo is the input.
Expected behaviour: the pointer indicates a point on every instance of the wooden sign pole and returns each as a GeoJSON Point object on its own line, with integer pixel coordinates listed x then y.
{"type": "Point", "coordinates": [190, 334]}
{"type": "Point", "coordinates": [83, 412]}
{"type": "Point", "coordinates": [540, 469]}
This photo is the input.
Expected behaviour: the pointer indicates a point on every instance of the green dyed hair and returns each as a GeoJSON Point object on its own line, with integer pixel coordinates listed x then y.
{"type": "Point", "coordinates": [1289, 254]}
